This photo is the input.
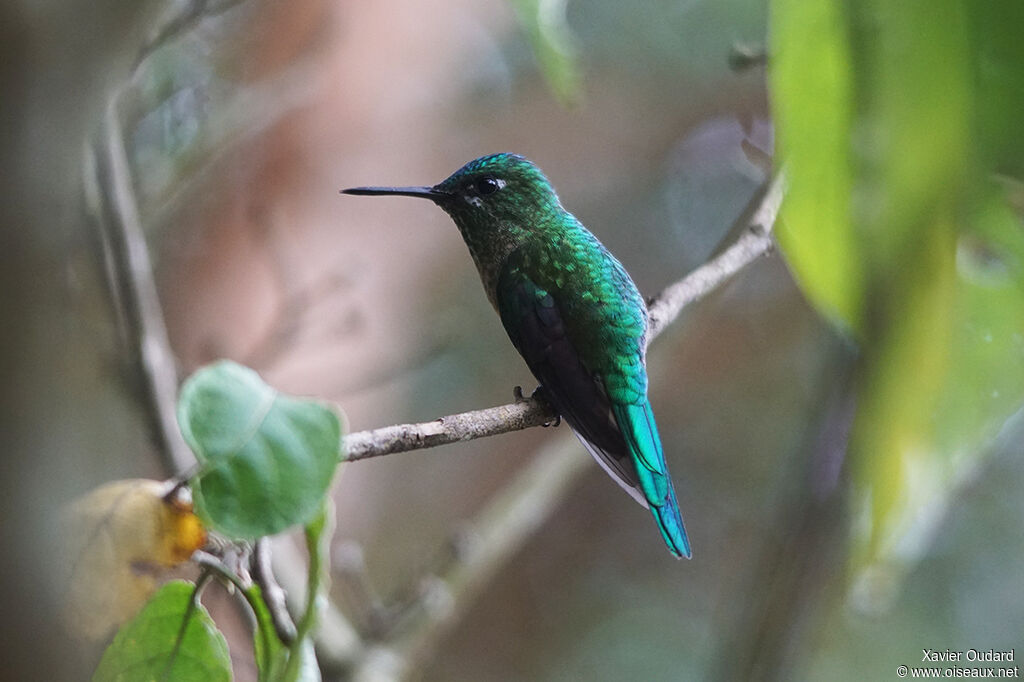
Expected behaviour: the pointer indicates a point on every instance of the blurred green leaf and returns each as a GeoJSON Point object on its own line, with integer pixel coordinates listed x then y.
{"type": "Point", "coordinates": [987, 364]}
{"type": "Point", "coordinates": [266, 459]}
{"type": "Point", "coordinates": [891, 127]}
{"type": "Point", "coordinates": [302, 664]}
{"type": "Point", "coordinates": [948, 380]}
{"type": "Point", "coordinates": [812, 94]}
{"type": "Point", "coordinates": [999, 78]}
{"type": "Point", "coordinates": [904, 367]}
{"type": "Point", "coordinates": [172, 638]}
{"type": "Point", "coordinates": [545, 25]}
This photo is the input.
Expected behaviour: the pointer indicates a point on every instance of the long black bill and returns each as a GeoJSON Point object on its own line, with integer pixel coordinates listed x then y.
{"type": "Point", "coordinates": [434, 195]}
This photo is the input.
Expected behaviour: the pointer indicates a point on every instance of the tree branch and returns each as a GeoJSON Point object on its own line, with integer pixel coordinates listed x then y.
{"type": "Point", "coordinates": [273, 595]}
{"type": "Point", "coordinates": [451, 429]}
{"type": "Point", "coordinates": [112, 199]}
{"type": "Point", "coordinates": [755, 241]}
{"type": "Point", "coordinates": [665, 307]}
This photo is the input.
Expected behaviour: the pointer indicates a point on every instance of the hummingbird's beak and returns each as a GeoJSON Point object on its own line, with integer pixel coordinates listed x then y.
{"type": "Point", "coordinates": [431, 193]}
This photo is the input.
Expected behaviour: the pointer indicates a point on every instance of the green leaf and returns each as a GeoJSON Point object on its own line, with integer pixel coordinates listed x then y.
{"type": "Point", "coordinates": [302, 665]}
{"type": "Point", "coordinates": [1000, 81]}
{"type": "Point", "coordinates": [172, 638]}
{"type": "Point", "coordinates": [267, 459]}
{"type": "Point", "coordinates": [812, 92]}
{"type": "Point", "coordinates": [905, 368]}
{"type": "Point", "coordinates": [893, 120]}
{"type": "Point", "coordinates": [941, 372]}
{"type": "Point", "coordinates": [545, 25]}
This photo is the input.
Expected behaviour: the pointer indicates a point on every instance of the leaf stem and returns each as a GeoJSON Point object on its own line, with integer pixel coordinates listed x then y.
{"type": "Point", "coordinates": [318, 540]}
{"type": "Point", "coordinates": [253, 595]}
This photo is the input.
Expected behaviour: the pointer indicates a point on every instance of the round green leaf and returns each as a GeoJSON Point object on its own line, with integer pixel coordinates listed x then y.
{"type": "Point", "coordinates": [267, 459]}
{"type": "Point", "coordinates": [170, 639]}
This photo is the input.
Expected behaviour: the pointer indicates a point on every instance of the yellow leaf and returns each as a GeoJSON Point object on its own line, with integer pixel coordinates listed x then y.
{"type": "Point", "coordinates": [120, 540]}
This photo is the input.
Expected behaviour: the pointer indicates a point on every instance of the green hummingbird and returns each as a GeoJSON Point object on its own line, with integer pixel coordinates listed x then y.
{"type": "Point", "coordinates": [571, 311]}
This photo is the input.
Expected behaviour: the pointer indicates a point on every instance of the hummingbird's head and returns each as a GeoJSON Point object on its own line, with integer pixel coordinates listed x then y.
{"type": "Point", "coordinates": [500, 187]}
{"type": "Point", "coordinates": [497, 189]}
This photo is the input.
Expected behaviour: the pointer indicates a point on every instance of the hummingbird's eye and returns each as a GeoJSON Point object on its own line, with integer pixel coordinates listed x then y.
{"type": "Point", "coordinates": [487, 185]}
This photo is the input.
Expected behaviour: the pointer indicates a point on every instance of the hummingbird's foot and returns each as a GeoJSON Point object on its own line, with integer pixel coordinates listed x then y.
{"type": "Point", "coordinates": [540, 394]}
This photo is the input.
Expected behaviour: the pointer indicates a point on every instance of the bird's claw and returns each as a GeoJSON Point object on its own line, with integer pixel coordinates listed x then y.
{"type": "Point", "coordinates": [540, 394]}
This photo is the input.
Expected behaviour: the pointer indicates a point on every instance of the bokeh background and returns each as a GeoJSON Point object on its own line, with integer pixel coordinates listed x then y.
{"type": "Point", "coordinates": [241, 120]}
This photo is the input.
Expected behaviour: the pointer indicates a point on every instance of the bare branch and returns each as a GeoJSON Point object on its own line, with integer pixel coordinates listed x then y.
{"type": "Point", "coordinates": [131, 273]}
{"type": "Point", "coordinates": [755, 241]}
{"type": "Point", "coordinates": [457, 427]}
{"type": "Point", "coordinates": [352, 580]}
{"type": "Point", "coordinates": [181, 21]}
{"type": "Point", "coordinates": [273, 595]}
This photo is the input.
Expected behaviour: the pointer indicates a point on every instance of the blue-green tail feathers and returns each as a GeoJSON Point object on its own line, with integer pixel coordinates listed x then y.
{"type": "Point", "coordinates": [637, 424]}
{"type": "Point", "coordinates": [670, 523]}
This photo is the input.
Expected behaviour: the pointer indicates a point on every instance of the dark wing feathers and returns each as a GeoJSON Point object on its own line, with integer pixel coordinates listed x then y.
{"type": "Point", "coordinates": [535, 325]}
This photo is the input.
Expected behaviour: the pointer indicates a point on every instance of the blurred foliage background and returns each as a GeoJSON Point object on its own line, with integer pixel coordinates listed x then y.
{"type": "Point", "coordinates": [894, 315]}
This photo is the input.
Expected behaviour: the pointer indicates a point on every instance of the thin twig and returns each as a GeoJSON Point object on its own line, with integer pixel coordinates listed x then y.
{"type": "Point", "coordinates": [351, 576]}
{"type": "Point", "coordinates": [273, 595]}
{"type": "Point", "coordinates": [248, 592]}
{"type": "Point", "coordinates": [137, 289]}
{"type": "Point", "coordinates": [176, 25]}
{"type": "Point", "coordinates": [212, 562]}
{"type": "Point", "coordinates": [457, 427]}
{"type": "Point", "coordinates": [184, 20]}
{"type": "Point", "coordinates": [755, 241]}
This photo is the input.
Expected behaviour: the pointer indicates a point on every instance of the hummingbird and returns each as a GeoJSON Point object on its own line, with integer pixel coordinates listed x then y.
{"type": "Point", "coordinates": [572, 312]}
